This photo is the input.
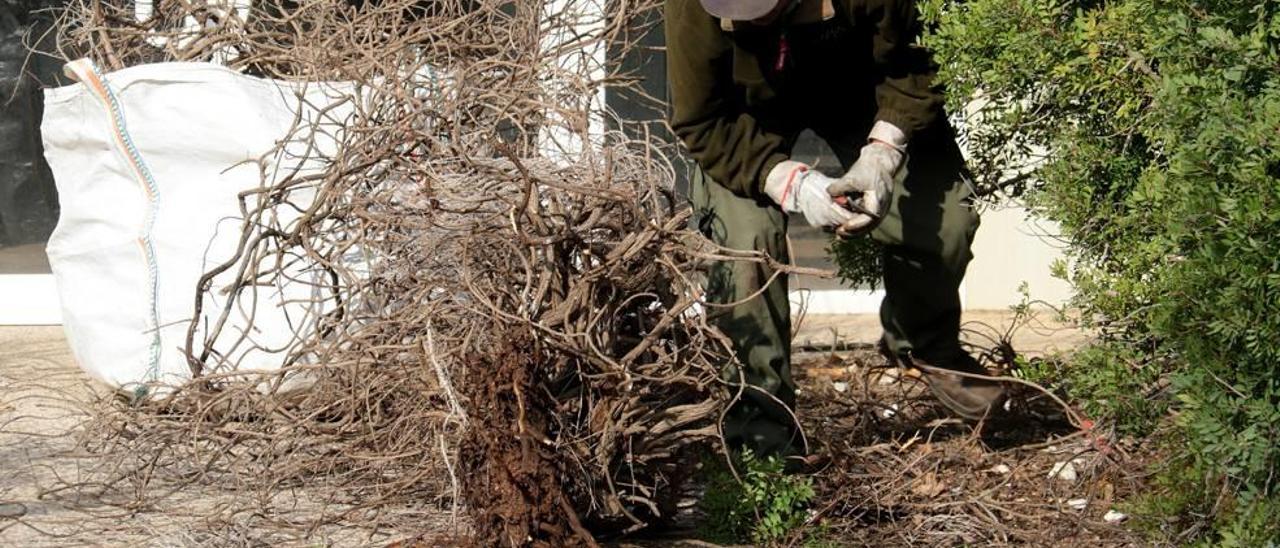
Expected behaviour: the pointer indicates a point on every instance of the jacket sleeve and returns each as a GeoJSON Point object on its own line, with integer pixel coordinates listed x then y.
{"type": "Point", "coordinates": [733, 147]}
{"type": "Point", "coordinates": [906, 96]}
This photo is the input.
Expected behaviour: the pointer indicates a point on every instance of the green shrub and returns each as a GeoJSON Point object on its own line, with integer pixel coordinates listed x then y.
{"type": "Point", "coordinates": [1150, 131]}
{"type": "Point", "coordinates": [1113, 383]}
{"type": "Point", "coordinates": [766, 506]}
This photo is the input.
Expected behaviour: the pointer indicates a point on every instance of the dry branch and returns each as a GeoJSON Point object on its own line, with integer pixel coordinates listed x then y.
{"type": "Point", "coordinates": [510, 295]}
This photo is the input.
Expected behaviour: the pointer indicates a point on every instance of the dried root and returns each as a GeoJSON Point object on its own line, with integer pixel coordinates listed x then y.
{"type": "Point", "coordinates": [506, 294]}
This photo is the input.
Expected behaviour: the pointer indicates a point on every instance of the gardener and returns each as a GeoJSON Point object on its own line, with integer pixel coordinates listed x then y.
{"type": "Point", "coordinates": [747, 76]}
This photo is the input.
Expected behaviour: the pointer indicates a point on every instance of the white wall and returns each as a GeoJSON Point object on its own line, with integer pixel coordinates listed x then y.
{"type": "Point", "coordinates": [1009, 249]}
{"type": "Point", "coordinates": [29, 299]}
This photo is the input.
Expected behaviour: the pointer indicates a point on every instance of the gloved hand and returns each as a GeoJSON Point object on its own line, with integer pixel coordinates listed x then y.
{"type": "Point", "coordinates": [799, 189]}
{"type": "Point", "coordinates": [869, 186]}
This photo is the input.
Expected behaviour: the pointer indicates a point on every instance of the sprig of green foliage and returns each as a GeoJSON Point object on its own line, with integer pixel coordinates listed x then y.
{"type": "Point", "coordinates": [766, 506]}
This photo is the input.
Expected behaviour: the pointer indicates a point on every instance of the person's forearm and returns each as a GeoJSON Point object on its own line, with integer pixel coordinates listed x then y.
{"type": "Point", "coordinates": [735, 152]}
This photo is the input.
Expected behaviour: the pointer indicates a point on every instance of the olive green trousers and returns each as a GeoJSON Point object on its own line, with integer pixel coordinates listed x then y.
{"type": "Point", "coordinates": [926, 236]}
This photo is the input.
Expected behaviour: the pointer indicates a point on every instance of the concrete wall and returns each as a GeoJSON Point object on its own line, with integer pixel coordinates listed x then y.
{"type": "Point", "coordinates": [1012, 248]}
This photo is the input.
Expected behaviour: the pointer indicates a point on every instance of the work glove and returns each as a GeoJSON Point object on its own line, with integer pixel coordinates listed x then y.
{"type": "Point", "coordinates": [867, 189]}
{"type": "Point", "coordinates": [799, 189]}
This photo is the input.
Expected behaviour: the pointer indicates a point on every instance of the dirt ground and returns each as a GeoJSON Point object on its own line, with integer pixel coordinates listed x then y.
{"type": "Point", "coordinates": [38, 378]}
{"type": "Point", "coordinates": [42, 399]}
{"type": "Point", "coordinates": [902, 474]}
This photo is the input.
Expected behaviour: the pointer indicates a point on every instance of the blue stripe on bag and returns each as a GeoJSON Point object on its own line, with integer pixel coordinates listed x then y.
{"type": "Point", "coordinates": [87, 72]}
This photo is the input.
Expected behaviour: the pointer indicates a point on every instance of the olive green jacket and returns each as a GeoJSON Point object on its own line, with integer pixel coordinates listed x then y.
{"type": "Point", "coordinates": [741, 93]}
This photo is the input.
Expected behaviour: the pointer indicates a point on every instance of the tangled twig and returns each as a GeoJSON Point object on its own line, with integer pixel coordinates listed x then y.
{"type": "Point", "coordinates": [505, 293]}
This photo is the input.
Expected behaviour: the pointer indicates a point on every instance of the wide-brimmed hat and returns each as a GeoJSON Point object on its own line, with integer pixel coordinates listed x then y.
{"type": "Point", "coordinates": [739, 10]}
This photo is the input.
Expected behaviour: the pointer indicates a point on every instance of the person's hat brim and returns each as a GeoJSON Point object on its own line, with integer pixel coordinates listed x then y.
{"type": "Point", "coordinates": [739, 10]}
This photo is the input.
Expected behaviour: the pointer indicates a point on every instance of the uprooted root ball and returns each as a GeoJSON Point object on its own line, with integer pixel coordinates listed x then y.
{"type": "Point", "coordinates": [506, 294]}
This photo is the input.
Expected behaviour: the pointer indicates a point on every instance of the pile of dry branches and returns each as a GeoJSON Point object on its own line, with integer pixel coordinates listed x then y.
{"type": "Point", "coordinates": [521, 336]}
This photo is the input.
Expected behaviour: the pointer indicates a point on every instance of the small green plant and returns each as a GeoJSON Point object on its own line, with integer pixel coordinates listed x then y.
{"type": "Point", "coordinates": [766, 506]}
{"type": "Point", "coordinates": [820, 536]}
{"type": "Point", "coordinates": [859, 261]}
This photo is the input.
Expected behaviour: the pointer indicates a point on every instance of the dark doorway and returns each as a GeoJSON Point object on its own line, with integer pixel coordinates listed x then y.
{"type": "Point", "coordinates": [28, 199]}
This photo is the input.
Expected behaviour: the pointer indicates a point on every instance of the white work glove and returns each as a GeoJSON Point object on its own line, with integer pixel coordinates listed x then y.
{"type": "Point", "coordinates": [868, 186]}
{"type": "Point", "coordinates": [799, 189]}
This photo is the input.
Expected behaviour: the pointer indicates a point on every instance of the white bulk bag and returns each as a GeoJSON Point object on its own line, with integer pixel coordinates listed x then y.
{"type": "Point", "coordinates": [148, 162]}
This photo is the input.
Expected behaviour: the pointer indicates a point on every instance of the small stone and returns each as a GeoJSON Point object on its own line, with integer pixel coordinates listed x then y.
{"type": "Point", "coordinates": [840, 387]}
{"type": "Point", "coordinates": [12, 510]}
{"type": "Point", "coordinates": [1078, 504]}
{"type": "Point", "coordinates": [1001, 469]}
{"type": "Point", "coordinates": [1113, 516]}
{"type": "Point", "coordinates": [1064, 471]}
{"type": "Point", "coordinates": [891, 411]}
